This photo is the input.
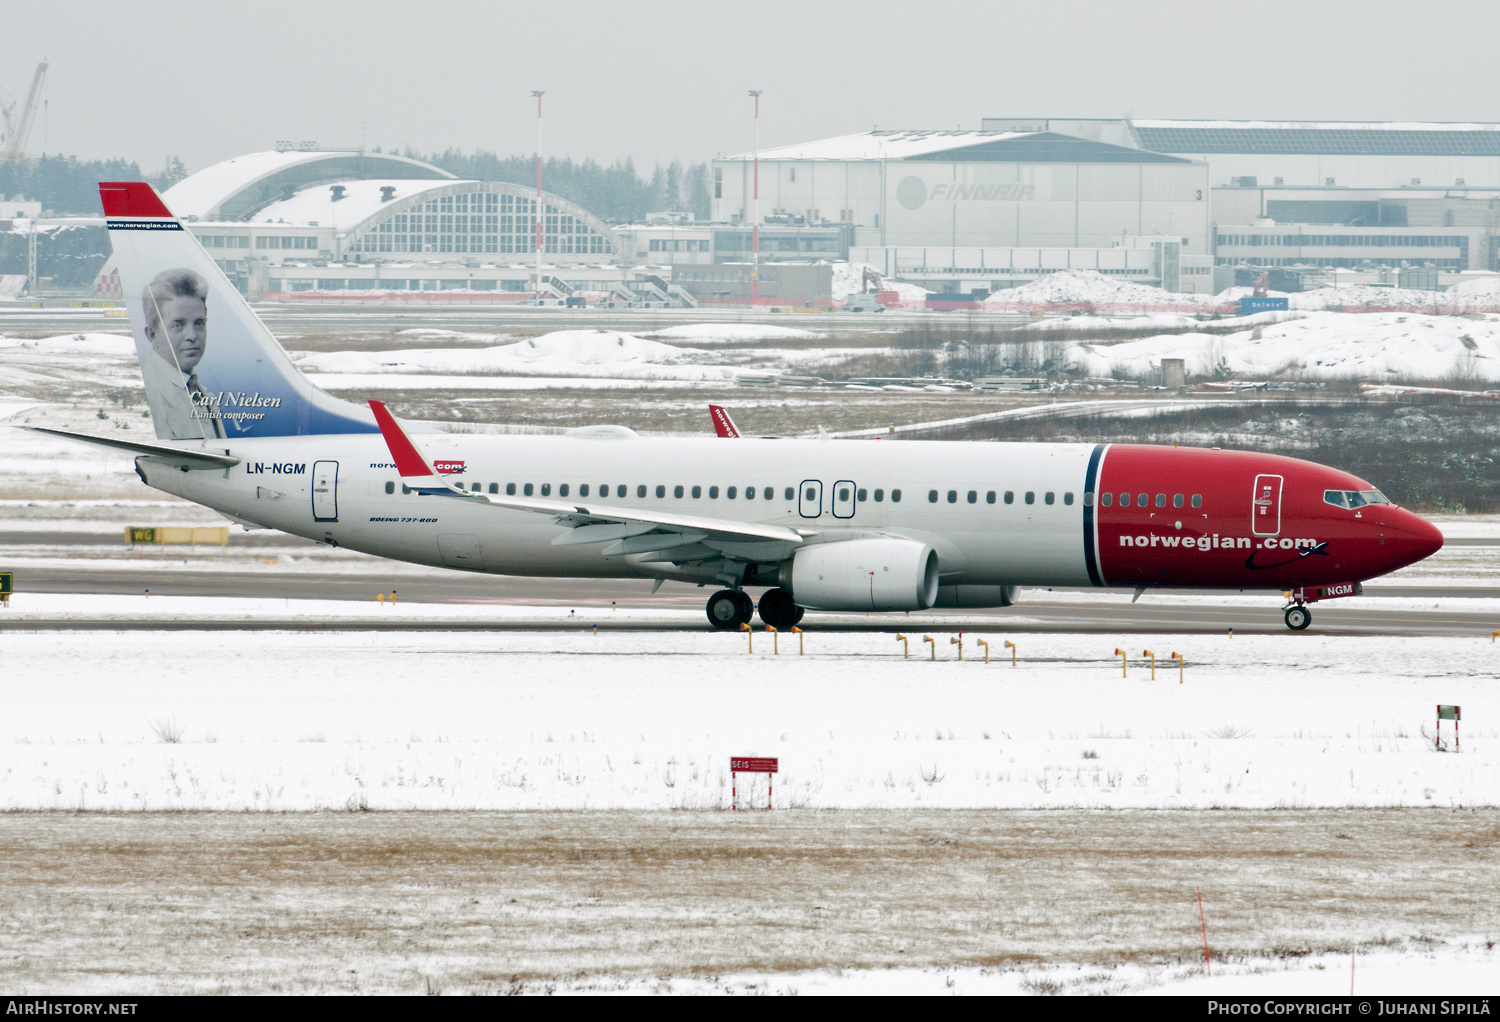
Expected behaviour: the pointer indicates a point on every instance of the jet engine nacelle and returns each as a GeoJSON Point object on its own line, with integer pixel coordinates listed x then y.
{"type": "Point", "coordinates": [976, 596]}
{"type": "Point", "coordinates": [864, 574]}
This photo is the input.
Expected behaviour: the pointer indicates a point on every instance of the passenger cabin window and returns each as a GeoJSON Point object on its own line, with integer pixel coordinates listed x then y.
{"type": "Point", "coordinates": [973, 496]}
{"type": "Point", "coordinates": [713, 493]}
{"type": "Point", "coordinates": [1142, 500]}
{"type": "Point", "coordinates": [1161, 500]}
{"type": "Point", "coordinates": [1030, 497]}
{"type": "Point", "coordinates": [1010, 496]}
{"type": "Point", "coordinates": [1124, 500]}
{"type": "Point", "coordinates": [1177, 500]}
{"type": "Point", "coordinates": [620, 490]}
{"type": "Point", "coordinates": [583, 489]}
{"type": "Point", "coordinates": [1049, 498]}
{"type": "Point", "coordinates": [527, 489]}
{"type": "Point", "coordinates": [932, 496]}
{"type": "Point", "coordinates": [1197, 500]}
{"type": "Point", "coordinates": [791, 493]}
{"type": "Point", "coordinates": [661, 491]}
{"type": "Point", "coordinates": [390, 487]}
{"type": "Point", "coordinates": [989, 498]}
{"type": "Point", "coordinates": [697, 492]}
{"type": "Point", "coordinates": [895, 496]}
{"type": "Point", "coordinates": [879, 496]}
{"type": "Point", "coordinates": [1106, 499]}
{"type": "Point", "coordinates": [1068, 498]}
{"type": "Point", "coordinates": [562, 490]}
{"type": "Point", "coordinates": [640, 490]}
{"type": "Point", "coordinates": [860, 495]}
{"type": "Point", "coordinates": [495, 488]}
{"type": "Point", "coordinates": [811, 494]}
{"type": "Point", "coordinates": [749, 493]}
{"type": "Point", "coordinates": [546, 489]}
{"type": "Point", "coordinates": [510, 489]}
{"type": "Point", "coordinates": [953, 496]}
{"type": "Point", "coordinates": [731, 492]}
{"type": "Point", "coordinates": [769, 493]}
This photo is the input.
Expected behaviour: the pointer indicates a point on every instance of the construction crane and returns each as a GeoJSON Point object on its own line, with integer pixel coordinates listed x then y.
{"type": "Point", "coordinates": [17, 131]}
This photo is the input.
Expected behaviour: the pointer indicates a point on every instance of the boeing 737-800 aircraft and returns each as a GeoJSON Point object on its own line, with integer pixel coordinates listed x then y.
{"type": "Point", "coordinates": [826, 525]}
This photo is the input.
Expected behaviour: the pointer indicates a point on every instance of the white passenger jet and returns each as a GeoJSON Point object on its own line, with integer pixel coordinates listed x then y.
{"type": "Point", "coordinates": [828, 525]}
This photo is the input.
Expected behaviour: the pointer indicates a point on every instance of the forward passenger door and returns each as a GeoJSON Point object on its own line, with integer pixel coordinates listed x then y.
{"type": "Point", "coordinates": [810, 498]}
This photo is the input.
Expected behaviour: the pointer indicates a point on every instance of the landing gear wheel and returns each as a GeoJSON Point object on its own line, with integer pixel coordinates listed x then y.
{"type": "Point", "coordinates": [1298, 617]}
{"type": "Point", "coordinates": [778, 610]}
{"type": "Point", "coordinates": [747, 608]}
{"type": "Point", "coordinates": [728, 609]}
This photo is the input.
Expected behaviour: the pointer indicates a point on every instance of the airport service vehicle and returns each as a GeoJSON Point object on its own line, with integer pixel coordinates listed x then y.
{"type": "Point", "coordinates": [816, 523]}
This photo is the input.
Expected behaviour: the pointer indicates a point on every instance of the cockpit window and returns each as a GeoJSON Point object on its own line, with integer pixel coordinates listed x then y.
{"type": "Point", "coordinates": [1353, 498]}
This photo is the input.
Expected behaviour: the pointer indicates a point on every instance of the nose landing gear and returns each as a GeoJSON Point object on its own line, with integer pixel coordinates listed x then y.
{"type": "Point", "coordinates": [1297, 617]}
{"type": "Point", "coordinates": [728, 609]}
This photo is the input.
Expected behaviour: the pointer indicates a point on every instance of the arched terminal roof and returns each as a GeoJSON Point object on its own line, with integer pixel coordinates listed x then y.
{"type": "Point", "coordinates": [240, 188]}
{"type": "Point", "coordinates": [421, 216]}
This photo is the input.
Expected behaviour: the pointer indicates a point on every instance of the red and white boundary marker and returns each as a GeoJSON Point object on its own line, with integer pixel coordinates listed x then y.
{"type": "Point", "coordinates": [750, 765]}
{"type": "Point", "coordinates": [1445, 712]}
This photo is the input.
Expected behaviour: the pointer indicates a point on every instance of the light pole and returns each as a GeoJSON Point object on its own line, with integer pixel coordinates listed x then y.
{"type": "Point", "coordinates": [538, 96]}
{"type": "Point", "coordinates": [755, 211]}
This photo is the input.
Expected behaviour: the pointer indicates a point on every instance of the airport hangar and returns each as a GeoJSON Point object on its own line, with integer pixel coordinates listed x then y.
{"type": "Point", "coordinates": [962, 210]}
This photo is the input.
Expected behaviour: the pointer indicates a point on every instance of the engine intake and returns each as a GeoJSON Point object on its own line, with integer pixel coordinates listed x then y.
{"type": "Point", "coordinates": [864, 574]}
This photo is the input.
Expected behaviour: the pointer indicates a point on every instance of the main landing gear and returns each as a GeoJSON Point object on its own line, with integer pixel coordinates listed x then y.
{"type": "Point", "coordinates": [778, 610]}
{"type": "Point", "coordinates": [1298, 617]}
{"type": "Point", "coordinates": [728, 609]}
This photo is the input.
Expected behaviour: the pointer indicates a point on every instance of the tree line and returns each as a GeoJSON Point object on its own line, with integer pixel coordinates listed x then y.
{"type": "Point", "coordinates": [615, 192]}
{"type": "Point", "coordinates": [66, 185]}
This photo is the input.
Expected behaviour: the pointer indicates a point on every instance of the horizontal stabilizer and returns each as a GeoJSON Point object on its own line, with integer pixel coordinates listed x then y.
{"type": "Point", "coordinates": [199, 459]}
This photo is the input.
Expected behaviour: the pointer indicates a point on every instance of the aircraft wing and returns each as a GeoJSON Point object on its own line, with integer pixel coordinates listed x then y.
{"type": "Point", "coordinates": [627, 530]}
{"type": "Point", "coordinates": [198, 459]}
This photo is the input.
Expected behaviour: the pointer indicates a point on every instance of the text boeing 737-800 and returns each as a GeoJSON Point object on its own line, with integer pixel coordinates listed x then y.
{"type": "Point", "coordinates": [836, 526]}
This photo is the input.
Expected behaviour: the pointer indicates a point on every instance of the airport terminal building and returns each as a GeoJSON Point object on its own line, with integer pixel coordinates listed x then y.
{"type": "Point", "coordinates": [297, 221]}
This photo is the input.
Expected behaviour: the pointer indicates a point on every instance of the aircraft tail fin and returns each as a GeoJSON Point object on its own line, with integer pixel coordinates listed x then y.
{"type": "Point", "coordinates": [212, 369]}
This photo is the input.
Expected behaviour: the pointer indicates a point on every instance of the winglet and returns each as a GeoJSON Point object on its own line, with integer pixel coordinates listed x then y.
{"type": "Point", "coordinates": [409, 461]}
{"type": "Point", "coordinates": [723, 425]}
{"type": "Point", "coordinates": [416, 471]}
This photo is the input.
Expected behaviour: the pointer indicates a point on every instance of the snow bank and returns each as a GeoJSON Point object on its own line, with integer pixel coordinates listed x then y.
{"type": "Point", "coordinates": [1321, 345]}
{"type": "Point", "coordinates": [607, 353]}
{"type": "Point", "coordinates": [848, 279]}
{"type": "Point", "coordinates": [731, 332]}
{"type": "Point", "coordinates": [73, 344]}
{"type": "Point", "coordinates": [1089, 287]}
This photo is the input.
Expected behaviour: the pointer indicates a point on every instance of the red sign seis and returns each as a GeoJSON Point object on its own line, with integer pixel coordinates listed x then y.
{"type": "Point", "coordinates": [753, 765]}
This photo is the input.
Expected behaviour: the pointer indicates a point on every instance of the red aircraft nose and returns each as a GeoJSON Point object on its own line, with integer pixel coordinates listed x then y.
{"type": "Point", "coordinates": [1410, 538]}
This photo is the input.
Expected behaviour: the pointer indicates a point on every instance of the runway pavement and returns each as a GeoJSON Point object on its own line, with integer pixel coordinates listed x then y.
{"type": "Point", "coordinates": [1210, 614]}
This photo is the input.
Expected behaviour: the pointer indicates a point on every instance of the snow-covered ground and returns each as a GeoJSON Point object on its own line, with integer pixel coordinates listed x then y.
{"type": "Point", "coordinates": [607, 353]}
{"type": "Point", "coordinates": [1318, 345]}
{"type": "Point", "coordinates": [1082, 288]}
{"type": "Point", "coordinates": [573, 719]}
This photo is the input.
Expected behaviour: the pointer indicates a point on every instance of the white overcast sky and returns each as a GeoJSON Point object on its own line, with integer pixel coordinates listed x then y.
{"type": "Point", "coordinates": [657, 81]}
